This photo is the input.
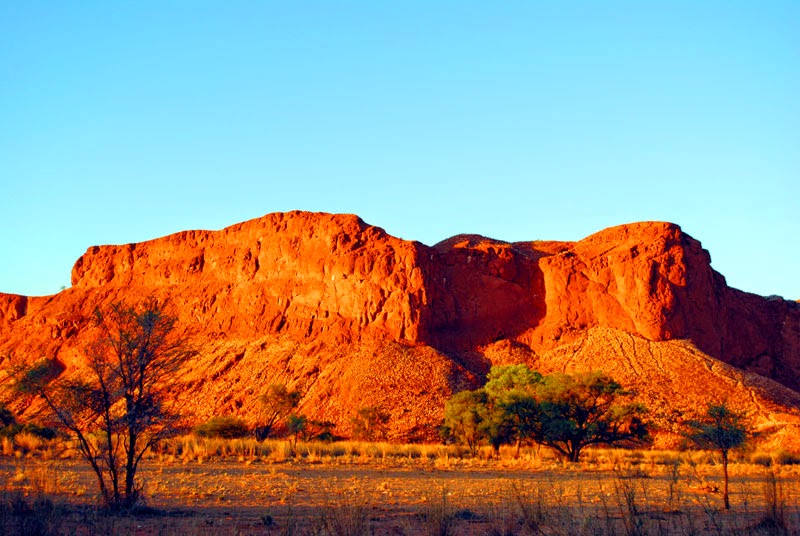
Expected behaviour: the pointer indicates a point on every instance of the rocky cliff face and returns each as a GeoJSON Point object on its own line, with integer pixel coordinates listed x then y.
{"type": "Point", "coordinates": [308, 275]}
{"type": "Point", "coordinates": [356, 317]}
{"type": "Point", "coordinates": [654, 280]}
{"type": "Point", "coordinates": [649, 279]}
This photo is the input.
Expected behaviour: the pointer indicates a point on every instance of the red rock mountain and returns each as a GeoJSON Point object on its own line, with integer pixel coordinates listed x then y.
{"type": "Point", "coordinates": [355, 317]}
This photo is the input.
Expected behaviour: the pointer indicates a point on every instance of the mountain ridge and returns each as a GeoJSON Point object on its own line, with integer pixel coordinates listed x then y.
{"type": "Point", "coordinates": [356, 317]}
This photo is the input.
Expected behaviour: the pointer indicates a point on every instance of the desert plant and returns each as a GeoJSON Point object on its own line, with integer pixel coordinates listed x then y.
{"type": "Point", "coordinates": [512, 413]}
{"type": "Point", "coordinates": [6, 416]}
{"type": "Point", "coordinates": [347, 516]}
{"type": "Point", "coordinates": [775, 519]}
{"type": "Point", "coordinates": [785, 457]}
{"type": "Point", "coordinates": [463, 419]}
{"type": "Point", "coordinates": [581, 410]}
{"type": "Point", "coordinates": [629, 508]}
{"type": "Point", "coordinates": [29, 515]}
{"type": "Point", "coordinates": [720, 429]}
{"type": "Point", "coordinates": [277, 402]}
{"type": "Point", "coordinates": [531, 505]}
{"type": "Point", "coordinates": [370, 423]}
{"type": "Point", "coordinates": [119, 408]}
{"type": "Point", "coordinates": [42, 432]}
{"type": "Point", "coordinates": [438, 515]}
{"type": "Point", "coordinates": [225, 426]}
{"type": "Point", "coordinates": [320, 431]}
{"type": "Point", "coordinates": [295, 424]}
{"type": "Point", "coordinates": [564, 412]}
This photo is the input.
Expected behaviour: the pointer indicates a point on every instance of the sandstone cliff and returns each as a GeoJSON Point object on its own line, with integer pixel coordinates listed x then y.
{"type": "Point", "coordinates": [355, 317]}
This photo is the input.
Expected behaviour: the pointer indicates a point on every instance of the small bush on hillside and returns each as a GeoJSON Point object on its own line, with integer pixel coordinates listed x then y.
{"type": "Point", "coordinates": [784, 457]}
{"type": "Point", "coordinates": [277, 402]}
{"type": "Point", "coordinates": [6, 416]}
{"type": "Point", "coordinates": [370, 423]}
{"type": "Point", "coordinates": [42, 432]}
{"type": "Point", "coordinates": [225, 426]}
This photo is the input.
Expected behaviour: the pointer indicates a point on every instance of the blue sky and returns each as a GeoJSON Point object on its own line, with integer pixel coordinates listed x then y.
{"type": "Point", "coordinates": [121, 122]}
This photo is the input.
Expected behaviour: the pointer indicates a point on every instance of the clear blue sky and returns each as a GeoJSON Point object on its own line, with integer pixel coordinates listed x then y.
{"type": "Point", "coordinates": [125, 121]}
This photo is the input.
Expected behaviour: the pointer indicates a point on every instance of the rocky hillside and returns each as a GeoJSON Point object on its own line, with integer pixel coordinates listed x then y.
{"type": "Point", "coordinates": [355, 317]}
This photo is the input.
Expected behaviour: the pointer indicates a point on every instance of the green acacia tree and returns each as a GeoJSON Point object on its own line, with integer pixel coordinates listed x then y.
{"type": "Point", "coordinates": [464, 418]}
{"type": "Point", "coordinates": [505, 379]}
{"type": "Point", "coordinates": [564, 412]}
{"type": "Point", "coordinates": [370, 423]}
{"type": "Point", "coordinates": [720, 429]}
{"type": "Point", "coordinates": [511, 413]}
{"type": "Point", "coordinates": [585, 409]}
{"type": "Point", "coordinates": [224, 426]}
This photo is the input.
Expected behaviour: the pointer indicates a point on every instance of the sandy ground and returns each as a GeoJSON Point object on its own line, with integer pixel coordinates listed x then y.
{"type": "Point", "coordinates": [241, 497]}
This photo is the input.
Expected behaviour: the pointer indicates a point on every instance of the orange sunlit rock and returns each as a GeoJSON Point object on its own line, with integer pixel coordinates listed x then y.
{"type": "Point", "coordinates": [355, 317]}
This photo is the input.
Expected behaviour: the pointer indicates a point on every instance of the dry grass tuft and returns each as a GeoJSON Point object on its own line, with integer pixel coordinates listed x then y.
{"type": "Point", "coordinates": [362, 488]}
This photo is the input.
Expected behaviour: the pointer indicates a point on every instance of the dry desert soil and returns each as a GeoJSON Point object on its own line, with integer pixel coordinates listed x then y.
{"type": "Point", "coordinates": [610, 492]}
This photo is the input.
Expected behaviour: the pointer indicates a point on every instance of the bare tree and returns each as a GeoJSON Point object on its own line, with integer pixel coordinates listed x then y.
{"type": "Point", "coordinates": [118, 409]}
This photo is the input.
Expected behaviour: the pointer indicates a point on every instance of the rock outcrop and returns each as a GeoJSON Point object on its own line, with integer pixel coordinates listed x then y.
{"type": "Point", "coordinates": [355, 317]}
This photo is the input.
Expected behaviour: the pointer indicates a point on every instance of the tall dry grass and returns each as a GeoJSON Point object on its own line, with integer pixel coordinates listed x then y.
{"type": "Point", "coordinates": [611, 491]}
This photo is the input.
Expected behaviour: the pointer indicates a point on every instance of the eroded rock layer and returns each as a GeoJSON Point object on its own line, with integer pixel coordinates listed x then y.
{"type": "Point", "coordinates": [355, 317]}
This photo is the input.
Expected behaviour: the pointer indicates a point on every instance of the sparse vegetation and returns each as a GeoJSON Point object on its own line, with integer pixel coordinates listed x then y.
{"type": "Point", "coordinates": [10, 428]}
{"type": "Point", "coordinates": [277, 403]}
{"type": "Point", "coordinates": [370, 424]}
{"type": "Point", "coordinates": [501, 483]}
{"type": "Point", "coordinates": [296, 425]}
{"type": "Point", "coordinates": [366, 488]}
{"type": "Point", "coordinates": [224, 426]}
{"type": "Point", "coordinates": [464, 419]}
{"type": "Point", "coordinates": [564, 412]}
{"type": "Point", "coordinates": [720, 429]}
{"type": "Point", "coordinates": [118, 410]}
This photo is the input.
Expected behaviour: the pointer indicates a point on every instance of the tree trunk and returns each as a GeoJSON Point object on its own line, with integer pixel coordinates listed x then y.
{"type": "Point", "coordinates": [725, 480]}
{"type": "Point", "coordinates": [130, 470]}
{"type": "Point", "coordinates": [574, 452]}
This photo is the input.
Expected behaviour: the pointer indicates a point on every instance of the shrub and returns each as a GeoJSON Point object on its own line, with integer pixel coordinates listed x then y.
{"type": "Point", "coordinates": [761, 458]}
{"type": "Point", "coordinates": [41, 432]}
{"type": "Point", "coordinates": [28, 442]}
{"type": "Point", "coordinates": [784, 457]}
{"type": "Point", "coordinates": [6, 416]}
{"type": "Point", "coordinates": [370, 423]}
{"type": "Point", "coordinates": [224, 426]}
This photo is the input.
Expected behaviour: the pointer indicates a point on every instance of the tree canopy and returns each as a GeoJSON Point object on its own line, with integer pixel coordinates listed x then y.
{"type": "Point", "coordinates": [562, 411]}
{"type": "Point", "coordinates": [370, 423]}
{"type": "Point", "coordinates": [464, 418]}
{"type": "Point", "coordinates": [583, 409]}
{"type": "Point", "coordinates": [277, 403]}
